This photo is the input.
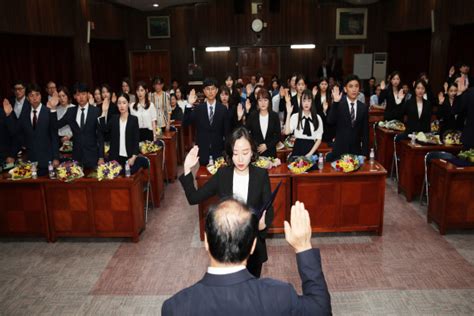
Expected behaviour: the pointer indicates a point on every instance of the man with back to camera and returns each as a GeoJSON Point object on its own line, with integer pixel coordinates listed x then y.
{"type": "Point", "coordinates": [229, 289]}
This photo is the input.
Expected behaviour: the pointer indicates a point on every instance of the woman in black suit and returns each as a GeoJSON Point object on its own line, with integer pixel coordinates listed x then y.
{"type": "Point", "coordinates": [239, 179]}
{"type": "Point", "coordinates": [418, 111]}
{"type": "Point", "coordinates": [394, 96]}
{"type": "Point", "coordinates": [106, 93]}
{"type": "Point", "coordinates": [448, 120]}
{"type": "Point", "coordinates": [264, 125]}
{"type": "Point", "coordinates": [323, 102]}
{"type": "Point", "coordinates": [124, 133]}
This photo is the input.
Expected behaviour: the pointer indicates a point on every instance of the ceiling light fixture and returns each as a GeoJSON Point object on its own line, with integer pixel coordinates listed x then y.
{"type": "Point", "coordinates": [303, 46]}
{"type": "Point", "coordinates": [218, 49]}
{"type": "Point", "coordinates": [156, 5]}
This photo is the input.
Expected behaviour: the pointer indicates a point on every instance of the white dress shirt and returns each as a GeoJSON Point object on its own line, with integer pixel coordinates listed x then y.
{"type": "Point", "coordinates": [224, 270]}
{"type": "Point", "coordinates": [145, 116]}
{"type": "Point", "coordinates": [240, 186]}
{"type": "Point", "coordinates": [264, 124]}
{"type": "Point", "coordinates": [79, 112]}
{"type": "Point", "coordinates": [355, 107]}
{"type": "Point", "coordinates": [38, 110]}
{"type": "Point", "coordinates": [419, 106]}
{"type": "Point", "coordinates": [123, 144]}
{"type": "Point", "coordinates": [318, 134]}
{"type": "Point", "coordinates": [18, 107]}
{"type": "Point", "coordinates": [61, 111]}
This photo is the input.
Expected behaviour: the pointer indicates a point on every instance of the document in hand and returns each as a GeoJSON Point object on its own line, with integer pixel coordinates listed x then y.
{"type": "Point", "coordinates": [268, 203]}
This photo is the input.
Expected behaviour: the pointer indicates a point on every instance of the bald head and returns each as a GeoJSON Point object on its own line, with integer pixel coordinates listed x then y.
{"type": "Point", "coordinates": [230, 229]}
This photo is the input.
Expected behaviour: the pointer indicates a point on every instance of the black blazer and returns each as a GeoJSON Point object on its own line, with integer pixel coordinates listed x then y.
{"type": "Point", "coordinates": [221, 185]}
{"type": "Point", "coordinates": [18, 140]}
{"type": "Point", "coordinates": [42, 143]}
{"type": "Point", "coordinates": [413, 123]}
{"type": "Point", "coordinates": [240, 293]}
{"type": "Point", "coordinates": [132, 135]}
{"type": "Point", "coordinates": [321, 72]}
{"type": "Point", "coordinates": [392, 109]}
{"type": "Point", "coordinates": [329, 129]}
{"type": "Point", "coordinates": [209, 138]}
{"type": "Point", "coordinates": [177, 114]}
{"type": "Point", "coordinates": [350, 140]}
{"type": "Point", "coordinates": [88, 142]}
{"type": "Point", "coordinates": [449, 121]}
{"type": "Point", "coordinates": [463, 105]}
{"type": "Point", "coordinates": [294, 102]}
{"type": "Point", "coordinates": [113, 109]}
{"type": "Point", "coordinates": [6, 148]}
{"type": "Point", "coordinates": [273, 132]}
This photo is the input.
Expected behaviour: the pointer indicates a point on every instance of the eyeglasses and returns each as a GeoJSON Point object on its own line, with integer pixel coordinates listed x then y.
{"type": "Point", "coordinates": [18, 88]}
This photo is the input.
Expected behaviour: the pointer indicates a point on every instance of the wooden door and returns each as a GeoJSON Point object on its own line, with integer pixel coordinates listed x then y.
{"type": "Point", "coordinates": [253, 60]}
{"type": "Point", "coordinates": [145, 65]}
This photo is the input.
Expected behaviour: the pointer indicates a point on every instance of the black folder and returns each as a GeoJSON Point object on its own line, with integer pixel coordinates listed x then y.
{"type": "Point", "coordinates": [268, 203]}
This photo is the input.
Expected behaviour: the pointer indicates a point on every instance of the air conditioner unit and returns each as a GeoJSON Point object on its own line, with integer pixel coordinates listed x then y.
{"type": "Point", "coordinates": [380, 66]}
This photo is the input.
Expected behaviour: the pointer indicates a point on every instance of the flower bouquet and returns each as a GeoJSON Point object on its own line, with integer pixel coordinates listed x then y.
{"type": "Point", "coordinates": [149, 147]}
{"type": "Point", "coordinates": [347, 163]}
{"type": "Point", "coordinates": [452, 137]}
{"type": "Point", "coordinates": [22, 170]}
{"type": "Point", "coordinates": [393, 125]}
{"type": "Point", "coordinates": [467, 155]}
{"type": "Point", "coordinates": [66, 147]}
{"type": "Point", "coordinates": [108, 170]}
{"type": "Point", "coordinates": [218, 163]}
{"type": "Point", "coordinates": [69, 171]}
{"type": "Point", "coordinates": [267, 162]}
{"type": "Point", "coordinates": [300, 165]}
{"type": "Point", "coordinates": [428, 138]}
{"type": "Point", "coordinates": [435, 126]}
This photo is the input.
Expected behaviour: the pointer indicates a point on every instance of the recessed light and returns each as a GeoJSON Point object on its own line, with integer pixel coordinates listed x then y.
{"type": "Point", "coordinates": [302, 46]}
{"type": "Point", "coordinates": [218, 49]}
{"type": "Point", "coordinates": [156, 5]}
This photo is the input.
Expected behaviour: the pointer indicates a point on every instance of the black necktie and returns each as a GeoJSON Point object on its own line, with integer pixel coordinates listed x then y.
{"type": "Point", "coordinates": [82, 118]}
{"type": "Point", "coordinates": [211, 115]}
{"type": "Point", "coordinates": [307, 127]}
{"type": "Point", "coordinates": [352, 115]}
{"type": "Point", "coordinates": [35, 119]}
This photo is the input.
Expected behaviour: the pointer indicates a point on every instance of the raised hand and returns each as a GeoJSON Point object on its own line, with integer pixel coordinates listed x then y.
{"type": "Point", "coordinates": [382, 85]}
{"type": "Point", "coordinates": [298, 234]}
{"type": "Point", "coordinates": [240, 111]}
{"type": "Point", "coordinates": [7, 107]}
{"type": "Point", "coordinates": [401, 94]}
{"type": "Point", "coordinates": [336, 94]}
{"type": "Point", "coordinates": [287, 96]}
{"type": "Point", "coordinates": [248, 106]}
{"type": "Point", "coordinates": [446, 86]}
{"type": "Point", "coordinates": [461, 85]}
{"type": "Point", "coordinates": [91, 98]}
{"type": "Point", "coordinates": [315, 91]}
{"type": "Point", "coordinates": [248, 89]}
{"type": "Point", "coordinates": [114, 97]}
{"type": "Point", "coordinates": [441, 98]}
{"type": "Point", "coordinates": [191, 159]}
{"type": "Point", "coordinates": [289, 106]}
{"type": "Point", "coordinates": [192, 98]}
{"type": "Point", "coordinates": [53, 102]}
{"type": "Point", "coordinates": [105, 106]}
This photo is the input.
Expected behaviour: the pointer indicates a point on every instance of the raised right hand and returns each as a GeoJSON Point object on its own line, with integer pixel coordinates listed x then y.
{"type": "Point", "coordinates": [105, 105]}
{"type": "Point", "coordinates": [315, 91]}
{"type": "Point", "coordinates": [249, 89]}
{"type": "Point", "coordinates": [336, 94]}
{"type": "Point", "coordinates": [441, 98]}
{"type": "Point", "coordinates": [248, 106]}
{"type": "Point", "coordinates": [7, 107]}
{"type": "Point", "coordinates": [191, 159]}
{"type": "Point", "coordinates": [53, 102]}
{"type": "Point", "coordinates": [240, 111]}
{"type": "Point", "coordinates": [382, 85]}
{"type": "Point", "coordinates": [289, 106]}
{"type": "Point", "coordinates": [298, 234]}
{"type": "Point", "coordinates": [192, 98]}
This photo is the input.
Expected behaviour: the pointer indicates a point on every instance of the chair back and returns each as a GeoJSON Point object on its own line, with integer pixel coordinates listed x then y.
{"type": "Point", "coordinates": [438, 155]}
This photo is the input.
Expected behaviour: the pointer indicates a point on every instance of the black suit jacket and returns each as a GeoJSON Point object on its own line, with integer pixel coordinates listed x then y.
{"type": "Point", "coordinates": [18, 140]}
{"type": "Point", "coordinates": [321, 72]}
{"type": "Point", "coordinates": [240, 293]}
{"type": "Point", "coordinates": [273, 132]}
{"type": "Point", "coordinates": [89, 141]}
{"type": "Point", "coordinates": [6, 147]}
{"type": "Point", "coordinates": [415, 124]}
{"type": "Point", "coordinates": [132, 135]}
{"type": "Point", "coordinates": [113, 110]}
{"type": "Point", "coordinates": [42, 143]}
{"type": "Point", "coordinates": [463, 104]}
{"type": "Point", "coordinates": [221, 185]}
{"type": "Point", "coordinates": [329, 129]}
{"type": "Point", "coordinates": [392, 109]}
{"type": "Point", "coordinates": [209, 138]}
{"type": "Point", "coordinates": [448, 120]}
{"type": "Point", "coordinates": [350, 140]}
{"type": "Point", "coordinates": [294, 102]}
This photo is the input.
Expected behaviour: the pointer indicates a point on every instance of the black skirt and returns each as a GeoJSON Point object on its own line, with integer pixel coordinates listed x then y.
{"type": "Point", "coordinates": [302, 147]}
{"type": "Point", "coordinates": [146, 134]}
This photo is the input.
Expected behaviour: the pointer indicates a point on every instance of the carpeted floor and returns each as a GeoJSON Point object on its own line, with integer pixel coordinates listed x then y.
{"type": "Point", "coordinates": [410, 270]}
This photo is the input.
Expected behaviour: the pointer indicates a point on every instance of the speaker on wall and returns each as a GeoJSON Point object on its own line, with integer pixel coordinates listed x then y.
{"type": "Point", "coordinates": [274, 6]}
{"type": "Point", "coordinates": [239, 7]}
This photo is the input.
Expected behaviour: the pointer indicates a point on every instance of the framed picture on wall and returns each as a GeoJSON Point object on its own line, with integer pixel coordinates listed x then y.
{"type": "Point", "coordinates": [351, 23]}
{"type": "Point", "coordinates": [158, 26]}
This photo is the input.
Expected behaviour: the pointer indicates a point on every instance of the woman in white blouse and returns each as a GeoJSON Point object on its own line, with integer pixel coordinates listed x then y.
{"type": "Point", "coordinates": [161, 100]}
{"type": "Point", "coordinates": [181, 98]}
{"type": "Point", "coordinates": [306, 125]}
{"type": "Point", "coordinates": [145, 111]}
{"type": "Point", "coordinates": [65, 132]}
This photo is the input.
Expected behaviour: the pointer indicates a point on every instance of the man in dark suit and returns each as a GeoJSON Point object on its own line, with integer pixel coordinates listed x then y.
{"type": "Point", "coordinates": [212, 122]}
{"type": "Point", "coordinates": [39, 128]}
{"type": "Point", "coordinates": [464, 104]}
{"type": "Point", "coordinates": [351, 118]}
{"type": "Point", "coordinates": [6, 149]}
{"type": "Point", "coordinates": [229, 289]}
{"type": "Point", "coordinates": [20, 106]}
{"type": "Point", "coordinates": [88, 141]}
{"type": "Point", "coordinates": [50, 91]}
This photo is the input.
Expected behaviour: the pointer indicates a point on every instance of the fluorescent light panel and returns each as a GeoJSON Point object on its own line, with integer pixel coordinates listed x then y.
{"type": "Point", "coordinates": [303, 46]}
{"type": "Point", "coordinates": [218, 49]}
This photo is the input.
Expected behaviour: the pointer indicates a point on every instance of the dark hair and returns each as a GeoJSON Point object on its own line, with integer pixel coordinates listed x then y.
{"type": "Point", "coordinates": [82, 87]}
{"type": "Point", "coordinates": [33, 87]}
{"type": "Point", "coordinates": [19, 82]}
{"type": "Point", "coordinates": [393, 74]}
{"type": "Point", "coordinates": [125, 95]}
{"type": "Point", "coordinates": [147, 101]}
{"type": "Point", "coordinates": [227, 76]}
{"type": "Point", "coordinates": [231, 229]}
{"type": "Point", "coordinates": [453, 84]}
{"type": "Point", "coordinates": [314, 114]}
{"type": "Point", "coordinates": [106, 86]}
{"type": "Point", "coordinates": [328, 91]}
{"type": "Point", "coordinates": [263, 93]}
{"type": "Point", "coordinates": [225, 89]}
{"type": "Point", "coordinates": [66, 92]}
{"type": "Point", "coordinates": [183, 94]}
{"type": "Point", "coordinates": [300, 77]}
{"type": "Point", "coordinates": [238, 133]}
{"type": "Point", "coordinates": [127, 81]}
{"type": "Point", "coordinates": [371, 78]}
{"type": "Point", "coordinates": [209, 82]}
{"type": "Point", "coordinates": [157, 80]}
{"type": "Point", "coordinates": [350, 78]}
{"type": "Point", "coordinates": [423, 83]}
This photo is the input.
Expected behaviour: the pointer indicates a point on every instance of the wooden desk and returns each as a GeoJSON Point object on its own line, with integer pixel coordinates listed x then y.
{"type": "Point", "coordinates": [23, 208]}
{"type": "Point", "coordinates": [171, 159]}
{"type": "Point", "coordinates": [384, 153]}
{"type": "Point", "coordinates": [188, 137]}
{"type": "Point", "coordinates": [281, 205]}
{"type": "Point", "coordinates": [412, 166]}
{"type": "Point", "coordinates": [180, 145]}
{"type": "Point", "coordinates": [375, 115]}
{"type": "Point", "coordinates": [91, 208]}
{"type": "Point", "coordinates": [283, 153]}
{"type": "Point", "coordinates": [451, 192]}
{"type": "Point", "coordinates": [343, 202]}
{"type": "Point", "coordinates": [157, 180]}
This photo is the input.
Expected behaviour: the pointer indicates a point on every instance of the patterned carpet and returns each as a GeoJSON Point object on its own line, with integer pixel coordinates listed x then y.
{"type": "Point", "coordinates": [410, 270]}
